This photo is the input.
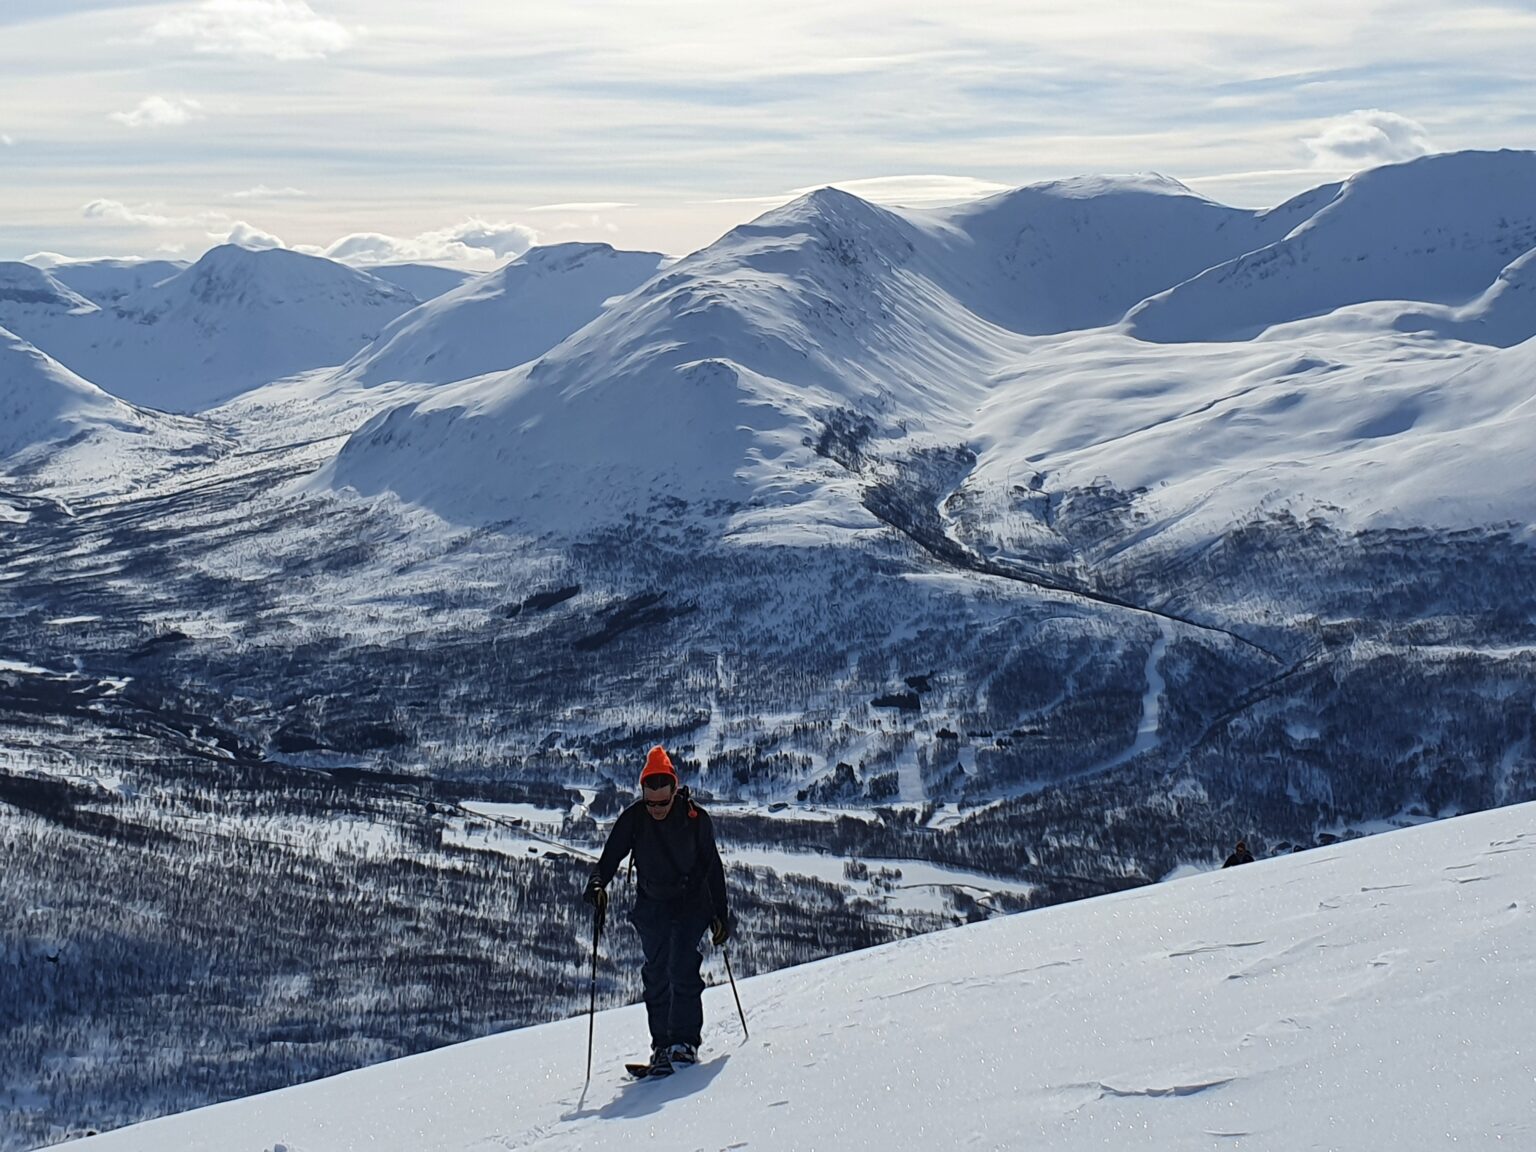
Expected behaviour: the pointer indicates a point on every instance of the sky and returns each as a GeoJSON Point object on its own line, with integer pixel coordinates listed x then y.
{"type": "Point", "coordinates": [464, 131]}
{"type": "Point", "coordinates": [1373, 994]}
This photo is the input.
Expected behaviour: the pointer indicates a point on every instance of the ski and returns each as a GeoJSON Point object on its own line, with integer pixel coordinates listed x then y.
{"type": "Point", "coordinates": [642, 1071]}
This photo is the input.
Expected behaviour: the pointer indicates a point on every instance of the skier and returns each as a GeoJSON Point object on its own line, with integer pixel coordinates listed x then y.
{"type": "Point", "coordinates": [1240, 855]}
{"type": "Point", "coordinates": [680, 891]}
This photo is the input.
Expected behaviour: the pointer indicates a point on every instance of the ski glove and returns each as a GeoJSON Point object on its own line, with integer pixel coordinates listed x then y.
{"type": "Point", "coordinates": [720, 930]}
{"type": "Point", "coordinates": [596, 895]}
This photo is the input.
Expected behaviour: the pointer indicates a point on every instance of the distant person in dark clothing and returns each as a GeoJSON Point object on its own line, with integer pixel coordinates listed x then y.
{"type": "Point", "coordinates": [680, 885]}
{"type": "Point", "coordinates": [1240, 855]}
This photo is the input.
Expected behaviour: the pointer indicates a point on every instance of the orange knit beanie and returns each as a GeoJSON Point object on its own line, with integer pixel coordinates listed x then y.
{"type": "Point", "coordinates": [658, 763]}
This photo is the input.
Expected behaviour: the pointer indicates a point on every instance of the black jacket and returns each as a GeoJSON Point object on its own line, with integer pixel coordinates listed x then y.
{"type": "Point", "coordinates": [676, 859]}
{"type": "Point", "coordinates": [1241, 856]}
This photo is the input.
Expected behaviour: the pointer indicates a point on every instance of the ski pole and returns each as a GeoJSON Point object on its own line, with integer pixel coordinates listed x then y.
{"type": "Point", "coordinates": [597, 930]}
{"type": "Point", "coordinates": [726, 953]}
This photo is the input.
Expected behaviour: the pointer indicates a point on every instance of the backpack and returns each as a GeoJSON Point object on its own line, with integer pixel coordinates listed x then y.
{"type": "Point", "coordinates": [688, 882]}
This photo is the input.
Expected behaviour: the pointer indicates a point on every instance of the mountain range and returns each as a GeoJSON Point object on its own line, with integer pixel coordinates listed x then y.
{"type": "Point", "coordinates": [1016, 331]}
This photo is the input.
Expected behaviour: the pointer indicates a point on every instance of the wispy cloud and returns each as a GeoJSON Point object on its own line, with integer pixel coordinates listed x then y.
{"type": "Point", "coordinates": [7, 139]}
{"type": "Point", "coordinates": [472, 242]}
{"type": "Point", "coordinates": [581, 206]}
{"type": "Point", "coordinates": [1368, 137]}
{"type": "Point", "coordinates": [262, 192]}
{"type": "Point", "coordinates": [279, 29]}
{"type": "Point", "coordinates": [160, 112]}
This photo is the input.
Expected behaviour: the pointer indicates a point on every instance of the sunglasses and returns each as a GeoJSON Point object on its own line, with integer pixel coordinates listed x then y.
{"type": "Point", "coordinates": [659, 803]}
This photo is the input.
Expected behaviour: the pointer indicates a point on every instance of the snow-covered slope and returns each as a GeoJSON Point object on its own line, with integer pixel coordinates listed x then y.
{"type": "Point", "coordinates": [1077, 253]}
{"type": "Point", "coordinates": [105, 282]}
{"type": "Point", "coordinates": [1363, 429]}
{"type": "Point", "coordinates": [1503, 315]}
{"type": "Point", "coordinates": [235, 319]}
{"type": "Point", "coordinates": [90, 442]}
{"type": "Point", "coordinates": [1437, 229]}
{"type": "Point", "coordinates": [504, 318]}
{"type": "Point", "coordinates": [42, 401]}
{"type": "Point", "coordinates": [1373, 994]}
{"type": "Point", "coordinates": [423, 281]}
{"type": "Point", "coordinates": [29, 296]}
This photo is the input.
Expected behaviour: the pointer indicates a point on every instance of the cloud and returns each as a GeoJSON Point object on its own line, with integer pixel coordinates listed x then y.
{"type": "Point", "coordinates": [262, 192]}
{"type": "Point", "coordinates": [593, 206]}
{"type": "Point", "coordinates": [279, 29]}
{"type": "Point", "coordinates": [1368, 137]}
{"type": "Point", "coordinates": [160, 112]}
{"type": "Point", "coordinates": [120, 213]}
{"type": "Point", "coordinates": [472, 242]}
{"type": "Point", "coordinates": [248, 236]}
{"type": "Point", "coordinates": [45, 260]}
{"type": "Point", "coordinates": [7, 139]}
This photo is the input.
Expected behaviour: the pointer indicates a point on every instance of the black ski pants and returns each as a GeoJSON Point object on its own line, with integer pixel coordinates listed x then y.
{"type": "Point", "coordinates": [674, 987]}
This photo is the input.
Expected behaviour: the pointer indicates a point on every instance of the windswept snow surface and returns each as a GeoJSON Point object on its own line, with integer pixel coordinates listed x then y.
{"type": "Point", "coordinates": [504, 318]}
{"type": "Point", "coordinates": [1374, 994]}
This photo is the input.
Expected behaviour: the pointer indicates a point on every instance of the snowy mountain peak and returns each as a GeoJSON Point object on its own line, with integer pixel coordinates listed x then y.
{"type": "Point", "coordinates": [835, 216]}
{"type": "Point", "coordinates": [910, 320]}
{"type": "Point", "coordinates": [830, 202]}
{"type": "Point", "coordinates": [1096, 187]}
{"type": "Point", "coordinates": [231, 275]}
{"type": "Point", "coordinates": [564, 257]}
{"type": "Point", "coordinates": [1076, 253]}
